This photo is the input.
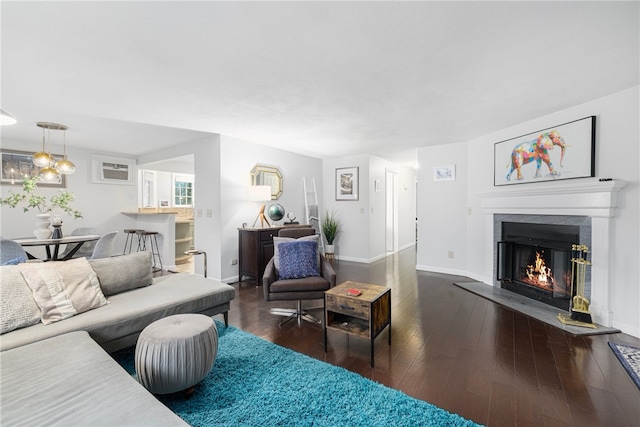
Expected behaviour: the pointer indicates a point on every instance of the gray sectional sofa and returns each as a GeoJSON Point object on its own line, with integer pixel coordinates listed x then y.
{"type": "Point", "coordinates": [61, 373]}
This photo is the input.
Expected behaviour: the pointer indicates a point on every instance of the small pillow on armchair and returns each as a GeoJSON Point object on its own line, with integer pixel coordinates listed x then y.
{"type": "Point", "coordinates": [298, 259]}
{"type": "Point", "coordinates": [276, 247]}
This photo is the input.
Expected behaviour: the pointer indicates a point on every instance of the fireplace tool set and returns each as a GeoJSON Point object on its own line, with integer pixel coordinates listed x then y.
{"type": "Point", "coordinates": [579, 310]}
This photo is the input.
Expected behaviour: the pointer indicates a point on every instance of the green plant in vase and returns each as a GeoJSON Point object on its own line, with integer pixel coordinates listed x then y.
{"type": "Point", "coordinates": [330, 228]}
{"type": "Point", "coordinates": [29, 199]}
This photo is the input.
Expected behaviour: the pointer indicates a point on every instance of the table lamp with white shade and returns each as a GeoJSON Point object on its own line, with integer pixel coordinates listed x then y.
{"type": "Point", "coordinates": [260, 193]}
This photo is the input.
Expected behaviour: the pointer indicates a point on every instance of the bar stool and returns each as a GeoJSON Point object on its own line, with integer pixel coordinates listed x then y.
{"type": "Point", "coordinates": [130, 232]}
{"type": "Point", "coordinates": [142, 245]}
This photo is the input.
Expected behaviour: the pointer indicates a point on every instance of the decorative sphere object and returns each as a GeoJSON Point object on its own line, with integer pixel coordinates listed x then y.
{"type": "Point", "coordinates": [276, 212]}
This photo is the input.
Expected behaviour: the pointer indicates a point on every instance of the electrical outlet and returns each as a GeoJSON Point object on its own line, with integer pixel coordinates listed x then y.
{"type": "Point", "coordinates": [200, 213]}
{"type": "Point", "coordinates": [469, 212]}
{"type": "Point", "coordinates": [234, 261]}
{"type": "Point", "coordinates": [362, 210]}
{"type": "Point", "coordinates": [209, 213]}
{"type": "Point", "coordinates": [450, 254]}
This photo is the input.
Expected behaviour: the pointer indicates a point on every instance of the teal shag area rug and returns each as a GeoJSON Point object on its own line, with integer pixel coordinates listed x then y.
{"type": "Point", "coordinates": [257, 383]}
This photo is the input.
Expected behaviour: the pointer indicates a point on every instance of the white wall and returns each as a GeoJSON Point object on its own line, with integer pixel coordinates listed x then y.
{"type": "Point", "coordinates": [442, 210]}
{"type": "Point", "coordinates": [352, 243]}
{"type": "Point", "coordinates": [617, 155]}
{"type": "Point", "coordinates": [100, 204]}
{"type": "Point", "coordinates": [362, 238]}
{"type": "Point", "coordinates": [207, 209]}
{"type": "Point", "coordinates": [238, 158]}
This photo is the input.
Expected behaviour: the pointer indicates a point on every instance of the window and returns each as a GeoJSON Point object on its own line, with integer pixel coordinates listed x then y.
{"type": "Point", "coordinates": [183, 190]}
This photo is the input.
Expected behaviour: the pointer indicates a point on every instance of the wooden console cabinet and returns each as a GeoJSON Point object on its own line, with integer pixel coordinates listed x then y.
{"type": "Point", "coordinates": [255, 249]}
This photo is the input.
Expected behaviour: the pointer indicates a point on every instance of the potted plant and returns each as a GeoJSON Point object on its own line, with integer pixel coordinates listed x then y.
{"type": "Point", "coordinates": [330, 228]}
{"type": "Point", "coordinates": [30, 199]}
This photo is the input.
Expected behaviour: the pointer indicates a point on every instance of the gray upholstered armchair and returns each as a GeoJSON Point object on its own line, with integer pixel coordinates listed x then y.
{"type": "Point", "coordinates": [296, 289]}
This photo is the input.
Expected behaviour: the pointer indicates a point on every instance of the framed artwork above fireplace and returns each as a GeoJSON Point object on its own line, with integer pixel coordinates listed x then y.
{"type": "Point", "coordinates": [561, 152]}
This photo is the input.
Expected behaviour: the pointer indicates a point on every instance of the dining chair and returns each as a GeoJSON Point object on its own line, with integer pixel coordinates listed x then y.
{"type": "Point", "coordinates": [104, 246]}
{"type": "Point", "coordinates": [11, 252]}
{"type": "Point", "coordinates": [86, 250]}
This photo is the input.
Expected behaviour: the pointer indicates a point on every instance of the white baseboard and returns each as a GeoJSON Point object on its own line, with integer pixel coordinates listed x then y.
{"type": "Point", "coordinates": [231, 279]}
{"type": "Point", "coordinates": [360, 260]}
{"type": "Point", "coordinates": [433, 269]}
{"type": "Point", "coordinates": [627, 329]}
{"type": "Point", "coordinates": [407, 246]}
{"type": "Point", "coordinates": [376, 258]}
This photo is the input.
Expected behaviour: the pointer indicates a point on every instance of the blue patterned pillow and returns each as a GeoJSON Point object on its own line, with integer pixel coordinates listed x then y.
{"type": "Point", "coordinates": [15, 261]}
{"type": "Point", "coordinates": [298, 259]}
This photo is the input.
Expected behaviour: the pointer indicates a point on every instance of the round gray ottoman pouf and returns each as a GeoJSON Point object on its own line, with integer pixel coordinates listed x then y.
{"type": "Point", "coordinates": [176, 353]}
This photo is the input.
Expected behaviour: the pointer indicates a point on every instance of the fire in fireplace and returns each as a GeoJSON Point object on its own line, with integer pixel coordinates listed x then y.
{"type": "Point", "coordinates": [534, 260]}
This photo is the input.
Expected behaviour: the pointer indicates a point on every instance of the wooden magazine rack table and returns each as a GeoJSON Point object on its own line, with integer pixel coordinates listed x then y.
{"type": "Point", "coordinates": [365, 315]}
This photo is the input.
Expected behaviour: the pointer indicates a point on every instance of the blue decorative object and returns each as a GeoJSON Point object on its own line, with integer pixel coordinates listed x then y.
{"type": "Point", "coordinates": [298, 259]}
{"type": "Point", "coordinates": [276, 212]}
{"type": "Point", "coordinates": [15, 261]}
{"type": "Point", "coordinates": [289, 388]}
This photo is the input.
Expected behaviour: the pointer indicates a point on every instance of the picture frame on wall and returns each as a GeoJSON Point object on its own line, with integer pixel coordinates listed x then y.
{"type": "Point", "coordinates": [17, 165]}
{"type": "Point", "coordinates": [347, 183]}
{"type": "Point", "coordinates": [565, 151]}
{"type": "Point", "coordinates": [444, 173]}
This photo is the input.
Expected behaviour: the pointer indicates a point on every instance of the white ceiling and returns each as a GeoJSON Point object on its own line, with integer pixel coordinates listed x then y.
{"type": "Point", "coordinates": [325, 79]}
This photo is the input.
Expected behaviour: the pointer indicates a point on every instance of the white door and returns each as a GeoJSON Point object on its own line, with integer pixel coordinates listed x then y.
{"type": "Point", "coordinates": [391, 217]}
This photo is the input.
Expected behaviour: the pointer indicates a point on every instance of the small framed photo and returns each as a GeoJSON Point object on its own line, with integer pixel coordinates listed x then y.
{"type": "Point", "coordinates": [17, 165]}
{"type": "Point", "coordinates": [347, 183]}
{"type": "Point", "coordinates": [444, 173]}
{"type": "Point", "coordinates": [163, 203]}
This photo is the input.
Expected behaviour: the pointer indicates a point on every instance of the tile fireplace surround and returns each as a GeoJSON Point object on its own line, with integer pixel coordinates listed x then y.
{"type": "Point", "coordinates": [582, 198]}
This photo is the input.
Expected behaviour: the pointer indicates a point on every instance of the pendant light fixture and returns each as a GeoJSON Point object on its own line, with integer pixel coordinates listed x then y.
{"type": "Point", "coordinates": [43, 159]}
{"type": "Point", "coordinates": [65, 166]}
{"type": "Point", "coordinates": [50, 169]}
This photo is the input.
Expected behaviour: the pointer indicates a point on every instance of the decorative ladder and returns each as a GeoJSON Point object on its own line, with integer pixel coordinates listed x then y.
{"type": "Point", "coordinates": [311, 209]}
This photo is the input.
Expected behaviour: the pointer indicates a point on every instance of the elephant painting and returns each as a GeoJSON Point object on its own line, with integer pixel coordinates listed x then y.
{"type": "Point", "coordinates": [538, 150]}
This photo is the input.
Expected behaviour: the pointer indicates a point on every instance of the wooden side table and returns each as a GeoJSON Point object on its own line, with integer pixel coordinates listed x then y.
{"type": "Point", "coordinates": [365, 315]}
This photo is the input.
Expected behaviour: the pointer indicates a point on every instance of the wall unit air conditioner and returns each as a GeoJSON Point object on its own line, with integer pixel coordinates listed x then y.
{"type": "Point", "coordinates": [113, 170]}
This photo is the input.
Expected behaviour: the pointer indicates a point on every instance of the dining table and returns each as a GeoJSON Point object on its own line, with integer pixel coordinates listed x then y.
{"type": "Point", "coordinates": [52, 246]}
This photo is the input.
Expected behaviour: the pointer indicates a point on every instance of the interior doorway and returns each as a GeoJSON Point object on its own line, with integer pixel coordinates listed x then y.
{"type": "Point", "coordinates": [169, 186]}
{"type": "Point", "coordinates": [391, 211]}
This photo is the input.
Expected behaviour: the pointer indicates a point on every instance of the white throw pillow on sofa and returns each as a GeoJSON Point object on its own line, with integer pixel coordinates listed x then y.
{"type": "Point", "coordinates": [18, 309]}
{"type": "Point", "coordinates": [63, 289]}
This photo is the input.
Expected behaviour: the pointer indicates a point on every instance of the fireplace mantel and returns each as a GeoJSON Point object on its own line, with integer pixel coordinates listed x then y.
{"type": "Point", "coordinates": [572, 197]}
{"type": "Point", "coordinates": [583, 197]}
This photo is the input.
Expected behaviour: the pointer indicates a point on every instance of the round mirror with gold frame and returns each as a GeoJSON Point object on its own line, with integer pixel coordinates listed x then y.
{"type": "Point", "coordinates": [268, 175]}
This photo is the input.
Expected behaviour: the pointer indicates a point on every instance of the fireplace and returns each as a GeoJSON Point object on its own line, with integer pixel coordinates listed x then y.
{"type": "Point", "coordinates": [587, 203]}
{"type": "Point", "coordinates": [534, 260]}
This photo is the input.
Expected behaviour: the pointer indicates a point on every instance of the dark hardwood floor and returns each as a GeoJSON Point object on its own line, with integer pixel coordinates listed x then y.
{"type": "Point", "coordinates": [464, 353]}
